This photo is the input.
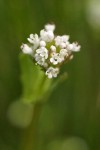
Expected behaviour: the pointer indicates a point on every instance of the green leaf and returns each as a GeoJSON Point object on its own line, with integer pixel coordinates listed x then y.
{"type": "Point", "coordinates": [35, 84]}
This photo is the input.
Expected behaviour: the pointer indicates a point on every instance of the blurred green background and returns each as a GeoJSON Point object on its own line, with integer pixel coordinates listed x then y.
{"type": "Point", "coordinates": [74, 107]}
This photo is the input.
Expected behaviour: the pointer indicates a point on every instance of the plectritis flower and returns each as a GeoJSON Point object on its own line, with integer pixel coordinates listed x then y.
{"type": "Point", "coordinates": [50, 51]}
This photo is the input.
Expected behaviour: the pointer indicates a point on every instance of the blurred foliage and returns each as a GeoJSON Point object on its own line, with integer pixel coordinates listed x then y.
{"type": "Point", "coordinates": [74, 107]}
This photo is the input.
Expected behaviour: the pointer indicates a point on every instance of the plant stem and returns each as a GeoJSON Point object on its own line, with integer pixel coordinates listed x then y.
{"type": "Point", "coordinates": [29, 136]}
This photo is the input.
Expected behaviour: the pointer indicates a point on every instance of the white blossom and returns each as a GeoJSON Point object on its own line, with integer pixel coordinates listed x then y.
{"type": "Point", "coordinates": [43, 52]}
{"type": "Point", "coordinates": [64, 52]}
{"type": "Point", "coordinates": [39, 60]}
{"type": "Point", "coordinates": [50, 27]}
{"type": "Point", "coordinates": [53, 48]}
{"type": "Point", "coordinates": [52, 72]}
{"type": "Point", "coordinates": [26, 49]}
{"type": "Point", "coordinates": [34, 39]}
{"type": "Point", "coordinates": [55, 59]}
{"type": "Point", "coordinates": [62, 45]}
{"type": "Point", "coordinates": [47, 36]}
{"type": "Point", "coordinates": [74, 47]}
{"type": "Point", "coordinates": [58, 40]}
{"type": "Point", "coordinates": [42, 43]}
{"type": "Point", "coordinates": [65, 38]}
{"type": "Point", "coordinates": [62, 41]}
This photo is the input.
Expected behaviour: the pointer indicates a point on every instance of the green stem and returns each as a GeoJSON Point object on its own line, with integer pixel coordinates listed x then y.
{"type": "Point", "coordinates": [29, 136]}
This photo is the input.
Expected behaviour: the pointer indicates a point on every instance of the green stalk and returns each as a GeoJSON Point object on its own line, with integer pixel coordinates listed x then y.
{"type": "Point", "coordinates": [29, 137]}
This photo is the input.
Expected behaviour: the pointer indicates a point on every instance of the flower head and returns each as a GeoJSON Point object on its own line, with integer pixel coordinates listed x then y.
{"type": "Point", "coordinates": [50, 51]}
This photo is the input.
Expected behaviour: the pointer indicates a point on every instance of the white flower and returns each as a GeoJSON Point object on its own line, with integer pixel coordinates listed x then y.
{"type": "Point", "coordinates": [52, 72]}
{"type": "Point", "coordinates": [74, 47]}
{"type": "Point", "coordinates": [65, 38]}
{"type": "Point", "coordinates": [39, 60]}
{"type": "Point", "coordinates": [62, 41]}
{"type": "Point", "coordinates": [50, 27]}
{"type": "Point", "coordinates": [53, 48]}
{"type": "Point", "coordinates": [43, 52]}
{"type": "Point", "coordinates": [41, 55]}
{"type": "Point", "coordinates": [64, 52]}
{"type": "Point", "coordinates": [55, 59]}
{"type": "Point", "coordinates": [58, 40]}
{"type": "Point", "coordinates": [47, 36]}
{"type": "Point", "coordinates": [62, 45]}
{"type": "Point", "coordinates": [26, 49]}
{"type": "Point", "coordinates": [42, 43]}
{"type": "Point", "coordinates": [34, 39]}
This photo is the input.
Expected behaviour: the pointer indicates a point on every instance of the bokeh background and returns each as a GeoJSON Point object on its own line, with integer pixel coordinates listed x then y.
{"type": "Point", "coordinates": [73, 108]}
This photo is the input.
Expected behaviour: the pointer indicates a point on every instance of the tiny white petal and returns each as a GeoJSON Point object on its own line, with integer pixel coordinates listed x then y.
{"type": "Point", "coordinates": [53, 48]}
{"type": "Point", "coordinates": [62, 45]}
{"type": "Point", "coordinates": [34, 39]}
{"type": "Point", "coordinates": [65, 38]}
{"type": "Point", "coordinates": [26, 49]}
{"type": "Point", "coordinates": [58, 40]}
{"type": "Point", "coordinates": [42, 43]}
{"type": "Point", "coordinates": [30, 40]}
{"type": "Point", "coordinates": [74, 47]}
{"type": "Point", "coordinates": [31, 36]}
{"type": "Point", "coordinates": [70, 47]}
{"type": "Point", "coordinates": [50, 27]}
{"type": "Point", "coordinates": [50, 35]}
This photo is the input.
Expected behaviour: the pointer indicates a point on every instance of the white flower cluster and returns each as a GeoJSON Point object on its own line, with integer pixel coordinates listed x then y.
{"type": "Point", "coordinates": [50, 51]}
